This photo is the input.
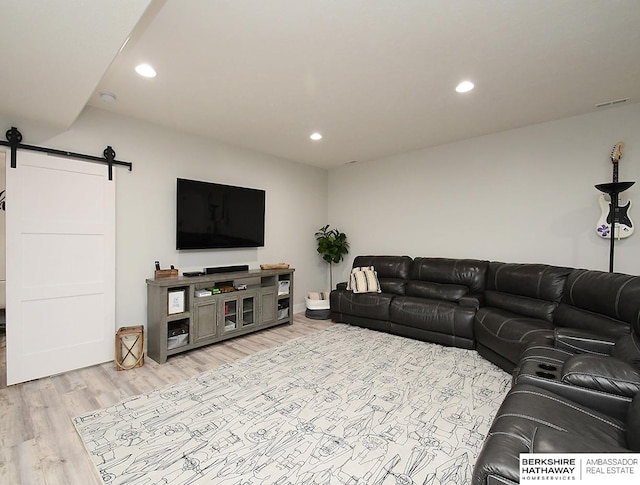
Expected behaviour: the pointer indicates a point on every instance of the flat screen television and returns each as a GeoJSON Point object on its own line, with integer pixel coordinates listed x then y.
{"type": "Point", "coordinates": [210, 215]}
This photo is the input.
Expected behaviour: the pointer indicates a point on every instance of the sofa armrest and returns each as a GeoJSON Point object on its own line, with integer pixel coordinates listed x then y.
{"type": "Point", "coordinates": [499, 460]}
{"type": "Point", "coordinates": [547, 440]}
{"type": "Point", "coordinates": [605, 374]}
{"type": "Point", "coordinates": [580, 341]}
{"type": "Point", "coordinates": [472, 300]}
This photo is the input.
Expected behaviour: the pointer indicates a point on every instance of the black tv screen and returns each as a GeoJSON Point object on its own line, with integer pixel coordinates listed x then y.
{"type": "Point", "coordinates": [213, 215]}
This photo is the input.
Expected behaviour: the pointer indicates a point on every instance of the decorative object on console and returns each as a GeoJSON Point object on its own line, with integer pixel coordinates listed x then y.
{"type": "Point", "coordinates": [275, 266]}
{"type": "Point", "coordinates": [165, 273]}
{"type": "Point", "coordinates": [175, 301]}
{"type": "Point", "coordinates": [332, 246]}
{"type": "Point", "coordinates": [614, 222]}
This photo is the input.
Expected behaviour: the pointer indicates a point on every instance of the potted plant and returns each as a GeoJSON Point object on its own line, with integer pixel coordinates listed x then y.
{"type": "Point", "coordinates": [332, 246]}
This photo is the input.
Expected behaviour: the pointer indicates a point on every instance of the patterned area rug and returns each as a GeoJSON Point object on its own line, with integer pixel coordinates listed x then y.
{"type": "Point", "coordinates": [344, 406]}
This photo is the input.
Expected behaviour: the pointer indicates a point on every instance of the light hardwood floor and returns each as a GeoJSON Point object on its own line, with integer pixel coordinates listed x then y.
{"type": "Point", "coordinates": [38, 443]}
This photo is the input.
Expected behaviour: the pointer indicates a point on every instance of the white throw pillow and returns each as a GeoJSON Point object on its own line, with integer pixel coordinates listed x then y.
{"type": "Point", "coordinates": [364, 280]}
{"type": "Point", "coordinates": [358, 268]}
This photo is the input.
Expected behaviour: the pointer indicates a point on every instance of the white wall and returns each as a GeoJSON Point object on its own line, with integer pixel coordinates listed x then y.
{"type": "Point", "coordinates": [525, 195]}
{"type": "Point", "coordinates": [296, 203]}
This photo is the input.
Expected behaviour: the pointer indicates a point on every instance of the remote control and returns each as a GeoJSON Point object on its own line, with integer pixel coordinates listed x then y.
{"type": "Point", "coordinates": [193, 273]}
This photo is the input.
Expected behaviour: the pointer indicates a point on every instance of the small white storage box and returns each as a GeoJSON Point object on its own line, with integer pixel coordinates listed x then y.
{"type": "Point", "coordinates": [283, 287]}
{"type": "Point", "coordinates": [177, 341]}
{"type": "Point", "coordinates": [318, 305]}
{"type": "Point", "coordinates": [283, 309]}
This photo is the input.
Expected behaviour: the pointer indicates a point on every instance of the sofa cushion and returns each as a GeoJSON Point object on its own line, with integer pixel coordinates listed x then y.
{"type": "Point", "coordinates": [508, 333]}
{"type": "Point", "coordinates": [595, 300]}
{"type": "Point", "coordinates": [469, 273]}
{"type": "Point", "coordinates": [386, 266]}
{"type": "Point", "coordinates": [572, 317]}
{"type": "Point", "coordinates": [433, 315]}
{"type": "Point", "coordinates": [436, 291]}
{"type": "Point", "coordinates": [392, 271]}
{"type": "Point", "coordinates": [392, 285]}
{"type": "Point", "coordinates": [521, 305]}
{"type": "Point", "coordinates": [529, 290]}
{"type": "Point", "coordinates": [524, 413]}
{"type": "Point", "coordinates": [539, 281]}
{"type": "Point", "coordinates": [365, 305]}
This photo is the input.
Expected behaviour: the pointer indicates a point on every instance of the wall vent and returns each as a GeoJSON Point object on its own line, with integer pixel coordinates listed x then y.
{"type": "Point", "coordinates": [615, 102]}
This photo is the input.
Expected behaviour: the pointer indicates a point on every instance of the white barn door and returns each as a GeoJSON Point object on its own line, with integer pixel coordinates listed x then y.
{"type": "Point", "coordinates": [60, 229]}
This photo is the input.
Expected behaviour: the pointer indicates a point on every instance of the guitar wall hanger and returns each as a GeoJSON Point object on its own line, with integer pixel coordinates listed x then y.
{"type": "Point", "coordinates": [614, 212]}
{"type": "Point", "coordinates": [615, 222]}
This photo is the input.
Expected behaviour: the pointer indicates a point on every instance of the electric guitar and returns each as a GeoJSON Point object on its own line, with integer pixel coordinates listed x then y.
{"type": "Point", "coordinates": [624, 225]}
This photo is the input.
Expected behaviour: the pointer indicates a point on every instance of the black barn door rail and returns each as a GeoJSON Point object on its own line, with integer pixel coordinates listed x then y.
{"type": "Point", "coordinates": [14, 137]}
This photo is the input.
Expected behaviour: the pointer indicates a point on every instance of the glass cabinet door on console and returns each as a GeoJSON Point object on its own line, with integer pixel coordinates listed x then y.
{"type": "Point", "coordinates": [230, 320]}
{"type": "Point", "coordinates": [248, 304]}
{"type": "Point", "coordinates": [238, 312]}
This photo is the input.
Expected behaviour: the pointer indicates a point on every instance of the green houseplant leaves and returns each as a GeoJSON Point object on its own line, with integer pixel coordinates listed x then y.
{"type": "Point", "coordinates": [332, 246]}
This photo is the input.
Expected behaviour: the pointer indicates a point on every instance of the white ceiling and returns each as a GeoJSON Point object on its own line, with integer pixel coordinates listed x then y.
{"type": "Point", "coordinates": [375, 77]}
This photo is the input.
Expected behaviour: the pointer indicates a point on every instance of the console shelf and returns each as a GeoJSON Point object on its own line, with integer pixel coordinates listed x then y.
{"type": "Point", "coordinates": [178, 320]}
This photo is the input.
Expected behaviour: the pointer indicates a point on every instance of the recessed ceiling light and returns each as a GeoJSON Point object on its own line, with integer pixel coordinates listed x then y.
{"type": "Point", "coordinates": [465, 87]}
{"type": "Point", "coordinates": [108, 97]}
{"type": "Point", "coordinates": [145, 70]}
{"type": "Point", "coordinates": [316, 136]}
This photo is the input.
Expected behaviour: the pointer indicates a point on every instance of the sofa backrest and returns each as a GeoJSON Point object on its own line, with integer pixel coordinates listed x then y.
{"type": "Point", "coordinates": [599, 301]}
{"type": "Point", "coordinates": [446, 279]}
{"type": "Point", "coordinates": [392, 271]}
{"type": "Point", "coordinates": [531, 290]}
